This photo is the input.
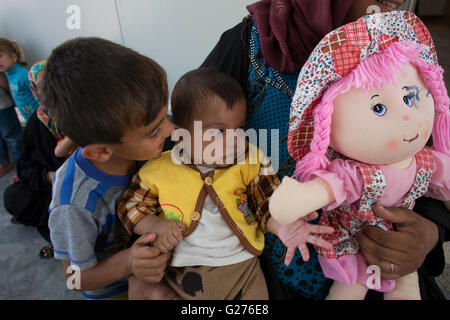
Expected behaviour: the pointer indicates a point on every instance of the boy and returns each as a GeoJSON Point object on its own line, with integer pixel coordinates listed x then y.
{"type": "Point", "coordinates": [211, 209]}
{"type": "Point", "coordinates": [112, 102]}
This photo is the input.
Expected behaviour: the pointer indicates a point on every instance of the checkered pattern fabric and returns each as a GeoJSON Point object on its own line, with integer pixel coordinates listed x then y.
{"type": "Point", "coordinates": [259, 191]}
{"type": "Point", "coordinates": [337, 54]}
{"type": "Point", "coordinates": [137, 202]}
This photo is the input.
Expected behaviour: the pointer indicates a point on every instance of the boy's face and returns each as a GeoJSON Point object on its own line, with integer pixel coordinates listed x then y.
{"type": "Point", "coordinates": [145, 142]}
{"type": "Point", "coordinates": [216, 119]}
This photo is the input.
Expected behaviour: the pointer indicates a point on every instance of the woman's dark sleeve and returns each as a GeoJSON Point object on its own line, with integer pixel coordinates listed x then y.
{"type": "Point", "coordinates": [37, 157]}
{"type": "Point", "coordinates": [230, 55]}
{"type": "Point", "coordinates": [435, 211]}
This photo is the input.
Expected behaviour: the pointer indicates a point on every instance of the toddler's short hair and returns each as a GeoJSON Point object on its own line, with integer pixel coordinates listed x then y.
{"type": "Point", "coordinates": [96, 89]}
{"type": "Point", "coordinates": [196, 88]}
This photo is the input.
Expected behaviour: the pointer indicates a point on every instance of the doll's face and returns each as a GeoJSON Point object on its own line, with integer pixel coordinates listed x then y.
{"type": "Point", "coordinates": [383, 126]}
{"type": "Point", "coordinates": [7, 61]}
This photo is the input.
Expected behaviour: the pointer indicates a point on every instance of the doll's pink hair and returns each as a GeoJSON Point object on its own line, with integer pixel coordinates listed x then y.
{"type": "Point", "coordinates": [371, 73]}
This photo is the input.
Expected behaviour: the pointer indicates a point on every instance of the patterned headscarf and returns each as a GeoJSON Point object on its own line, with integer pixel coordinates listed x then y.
{"type": "Point", "coordinates": [34, 70]}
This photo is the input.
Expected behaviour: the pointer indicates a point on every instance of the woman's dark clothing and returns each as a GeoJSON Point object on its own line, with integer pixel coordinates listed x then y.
{"type": "Point", "coordinates": [238, 54]}
{"type": "Point", "coordinates": [28, 199]}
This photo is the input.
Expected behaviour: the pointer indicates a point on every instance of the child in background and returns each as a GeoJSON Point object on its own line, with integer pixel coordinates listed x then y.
{"type": "Point", "coordinates": [10, 130]}
{"type": "Point", "coordinates": [11, 62]}
{"type": "Point", "coordinates": [214, 213]}
{"type": "Point", "coordinates": [111, 101]}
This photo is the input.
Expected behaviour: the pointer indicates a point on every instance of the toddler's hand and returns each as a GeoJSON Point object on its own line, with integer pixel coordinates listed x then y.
{"type": "Point", "coordinates": [300, 232]}
{"type": "Point", "coordinates": [168, 234]}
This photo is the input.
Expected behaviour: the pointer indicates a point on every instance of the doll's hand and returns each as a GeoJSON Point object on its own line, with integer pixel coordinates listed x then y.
{"type": "Point", "coordinates": [169, 233]}
{"type": "Point", "coordinates": [406, 247]}
{"type": "Point", "coordinates": [300, 232]}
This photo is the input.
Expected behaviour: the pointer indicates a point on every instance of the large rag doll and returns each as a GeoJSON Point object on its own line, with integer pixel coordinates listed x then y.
{"type": "Point", "coordinates": [367, 101]}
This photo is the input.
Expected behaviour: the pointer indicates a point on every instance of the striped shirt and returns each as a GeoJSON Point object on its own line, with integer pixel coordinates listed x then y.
{"type": "Point", "coordinates": [84, 226]}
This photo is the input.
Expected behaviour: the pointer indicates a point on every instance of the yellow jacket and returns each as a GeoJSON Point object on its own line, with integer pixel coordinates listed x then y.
{"type": "Point", "coordinates": [180, 191]}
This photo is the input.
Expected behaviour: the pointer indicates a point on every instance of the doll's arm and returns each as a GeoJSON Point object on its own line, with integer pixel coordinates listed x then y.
{"type": "Point", "coordinates": [293, 200]}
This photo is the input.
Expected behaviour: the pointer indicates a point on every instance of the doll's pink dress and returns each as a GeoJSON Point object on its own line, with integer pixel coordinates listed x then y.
{"type": "Point", "coordinates": [357, 188]}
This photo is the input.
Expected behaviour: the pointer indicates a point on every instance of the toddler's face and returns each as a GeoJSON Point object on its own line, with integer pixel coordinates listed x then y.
{"type": "Point", "coordinates": [145, 142]}
{"type": "Point", "coordinates": [219, 146]}
{"type": "Point", "coordinates": [7, 61]}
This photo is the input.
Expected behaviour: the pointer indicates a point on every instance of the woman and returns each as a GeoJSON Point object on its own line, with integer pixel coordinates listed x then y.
{"type": "Point", "coordinates": [265, 53]}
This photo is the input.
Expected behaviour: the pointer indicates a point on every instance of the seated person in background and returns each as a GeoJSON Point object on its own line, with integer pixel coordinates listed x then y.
{"type": "Point", "coordinates": [64, 147]}
{"type": "Point", "coordinates": [212, 209]}
{"type": "Point", "coordinates": [28, 197]}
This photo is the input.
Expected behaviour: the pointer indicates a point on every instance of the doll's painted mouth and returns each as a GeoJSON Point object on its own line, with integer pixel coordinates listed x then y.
{"type": "Point", "coordinates": [411, 140]}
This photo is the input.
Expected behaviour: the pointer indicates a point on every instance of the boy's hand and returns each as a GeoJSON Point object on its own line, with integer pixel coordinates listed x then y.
{"type": "Point", "coordinates": [146, 262]}
{"type": "Point", "coordinates": [300, 232]}
{"type": "Point", "coordinates": [169, 233]}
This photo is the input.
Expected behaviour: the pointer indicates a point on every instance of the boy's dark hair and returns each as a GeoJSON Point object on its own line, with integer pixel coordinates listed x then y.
{"type": "Point", "coordinates": [197, 87]}
{"type": "Point", "coordinates": [95, 89]}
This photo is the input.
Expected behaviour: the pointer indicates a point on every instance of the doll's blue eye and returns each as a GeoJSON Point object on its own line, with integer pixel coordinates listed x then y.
{"type": "Point", "coordinates": [407, 100]}
{"type": "Point", "coordinates": [379, 109]}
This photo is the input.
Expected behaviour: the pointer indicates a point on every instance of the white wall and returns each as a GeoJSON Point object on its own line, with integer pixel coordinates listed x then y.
{"type": "Point", "coordinates": [40, 25]}
{"type": "Point", "coordinates": [178, 34]}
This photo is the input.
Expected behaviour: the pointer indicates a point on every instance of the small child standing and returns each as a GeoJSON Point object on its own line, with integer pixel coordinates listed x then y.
{"type": "Point", "coordinates": [10, 132]}
{"type": "Point", "coordinates": [212, 211]}
{"type": "Point", "coordinates": [11, 62]}
{"type": "Point", "coordinates": [28, 196]}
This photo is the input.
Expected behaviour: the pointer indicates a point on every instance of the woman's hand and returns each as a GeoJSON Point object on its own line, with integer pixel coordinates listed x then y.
{"type": "Point", "coordinates": [405, 248]}
{"type": "Point", "coordinates": [146, 262]}
{"type": "Point", "coordinates": [360, 8]}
